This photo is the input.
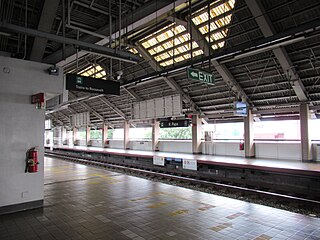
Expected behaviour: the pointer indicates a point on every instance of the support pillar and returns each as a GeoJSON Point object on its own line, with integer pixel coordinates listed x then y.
{"type": "Point", "coordinates": [126, 128]}
{"type": "Point", "coordinates": [304, 132]}
{"type": "Point", "coordinates": [88, 136]}
{"type": "Point", "coordinates": [64, 136]}
{"type": "Point", "coordinates": [155, 135]}
{"type": "Point", "coordinates": [196, 134]}
{"type": "Point", "coordinates": [248, 135]}
{"type": "Point", "coordinates": [74, 137]}
{"type": "Point", "coordinates": [105, 141]}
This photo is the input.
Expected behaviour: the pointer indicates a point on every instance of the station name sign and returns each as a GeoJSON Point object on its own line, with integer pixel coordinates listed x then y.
{"type": "Point", "coordinates": [200, 75]}
{"type": "Point", "coordinates": [76, 82]}
{"type": "Point", "coordinates": [175, 123]}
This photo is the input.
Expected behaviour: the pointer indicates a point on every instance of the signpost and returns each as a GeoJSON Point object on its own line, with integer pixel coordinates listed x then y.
{"type": "Point", "coordinates": [158, 161]}
{"type": "Point", "coordinates": [94, 85]}
{"type": "Point", "coordinates": [190, 164]}
{"type": "Point", "coordinates": [200, 75]}
{"type": "Point", "coordinates": [175, 123]}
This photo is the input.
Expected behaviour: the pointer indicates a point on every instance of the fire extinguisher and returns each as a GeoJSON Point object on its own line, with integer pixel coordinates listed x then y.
{"type": "Point", "coordinates": [32, 160]}
{"type": "Point", "coordinates": [241, 146]}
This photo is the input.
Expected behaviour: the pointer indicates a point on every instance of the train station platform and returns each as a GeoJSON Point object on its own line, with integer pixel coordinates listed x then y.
{"type": "Point", "coordinates": [83, 202]}
{"type": "Point", "coordinates": [289, 166]}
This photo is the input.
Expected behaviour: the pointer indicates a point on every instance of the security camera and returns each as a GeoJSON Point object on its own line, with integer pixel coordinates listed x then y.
{"type": "Point", "coordinates": [53, 71]}
{"type": "Point", "coordinates": [119, 74]}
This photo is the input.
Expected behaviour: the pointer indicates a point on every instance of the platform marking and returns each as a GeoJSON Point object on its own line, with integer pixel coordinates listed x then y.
{"type": "Point", "coordinates": [221, 227]}
{"type": "Point", "coordinates": [157, 205]}
{"type": "Point", "coordinates": [233, 216]}
{"type": "Point", "coordinates": [206, 207]}
{"type": "Point", "coordinates": [178, 212]}
{"type": "Point", "coordinates": [263, 237]}
{"type": "Point", "coordinates": [109, 179]}
{"type": "Point", "coordinates": [94, 182]}
{"type": "Point", "coordinates": [146, 197]}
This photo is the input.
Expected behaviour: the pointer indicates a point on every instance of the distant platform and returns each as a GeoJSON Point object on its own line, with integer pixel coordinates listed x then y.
{"type": "Point", "coordinates": [289, 166]}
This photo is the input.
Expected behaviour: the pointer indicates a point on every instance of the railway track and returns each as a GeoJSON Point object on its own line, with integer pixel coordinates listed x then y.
{"type": "Point", "coordinates": [265, 197]}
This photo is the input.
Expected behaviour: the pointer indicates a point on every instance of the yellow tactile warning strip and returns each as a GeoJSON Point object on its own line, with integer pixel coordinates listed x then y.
{"type": "Point", "coordinates": [178, 212]}
{"type": "Point", "coordinates": [206, 207]}
{"type": "Point", "coordinates": [107, 178]}
{"type": "Point", "coordinates": [263, 237]}
{"type": "Point", "coordinates": [157, 205]}
{"type": "Point", "coordinates": [233, 216]}
{"type": "Point", "coordinates": [221, 227]}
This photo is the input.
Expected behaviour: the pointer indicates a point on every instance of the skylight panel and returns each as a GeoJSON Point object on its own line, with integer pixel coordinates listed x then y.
{"type": "Point", "coordinates": [168, 44]}
{"type": "Point", "coordinates": [220, 17]}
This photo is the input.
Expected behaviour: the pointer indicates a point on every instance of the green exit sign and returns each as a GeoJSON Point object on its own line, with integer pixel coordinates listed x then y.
{"type": "Point", "coordinates": [199, 75]}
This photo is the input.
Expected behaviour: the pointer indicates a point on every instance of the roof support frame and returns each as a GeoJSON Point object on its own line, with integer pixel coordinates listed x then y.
{"type": "Point", "coordinates": [87, 47]}
{"type": "Point", "coordinates": [48, 14]}
{"type": "Point", "coordinates": [221, 68]}
{"type": "Point", "coordinates": [113, 107]}
{"type": "Point", "coordinates": [281, 54]}
{"type": "Point", "coordinates": [170, 81]}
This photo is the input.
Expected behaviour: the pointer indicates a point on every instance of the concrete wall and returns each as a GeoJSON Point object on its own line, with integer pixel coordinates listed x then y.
{"type": "Point", "coordinates": [271, 150]}
{"type": "Point", "coordinates": [22, 127]}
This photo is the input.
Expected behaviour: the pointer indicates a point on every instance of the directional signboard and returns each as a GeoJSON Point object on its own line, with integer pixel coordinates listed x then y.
{"type": "Point", "coordinates": [200, 75]}
{"type": "Point", "coordinates": [175, 123]}
{"type": "Point", "coordinates": [93, 85]}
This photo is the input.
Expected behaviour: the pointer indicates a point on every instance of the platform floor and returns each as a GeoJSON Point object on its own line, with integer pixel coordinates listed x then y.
{"type": "Point", "coordinates": [312, 168]}
{"type": "Point", "coordinates": [83, 202]}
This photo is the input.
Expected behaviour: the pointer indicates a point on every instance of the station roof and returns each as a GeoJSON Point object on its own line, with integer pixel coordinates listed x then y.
{"type": "Point", "coordinates": [265, 52]}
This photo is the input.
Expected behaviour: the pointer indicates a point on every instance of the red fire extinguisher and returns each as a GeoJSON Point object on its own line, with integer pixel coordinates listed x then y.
{"type": "Point", "coordinates": [241, 146]}
{"type": "Point", "coordinates": [32, 160]}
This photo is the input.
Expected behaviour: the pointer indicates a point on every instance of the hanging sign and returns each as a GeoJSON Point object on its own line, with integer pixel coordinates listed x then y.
{"type": "Point", "coordinates": [175, 123]}
{"type": "Point", "coordinates": [200, 75]}
{"type": "Point", "coordinates": [93, 85]}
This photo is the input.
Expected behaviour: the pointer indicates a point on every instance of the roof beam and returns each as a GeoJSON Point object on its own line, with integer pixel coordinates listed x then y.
{"type": "Point", "coordinates": [151, 11]}
{"type": "Point", "coordinates": [113, 107]}
{"type": "Point", "coordinates": [281, 54]}
{"type": "Point", "coordinates": [132, 93]}
{"type": "Point", "coordinates": [144, 53]}
{"type": "Point", "coordinates": [85, 105]}
{"type": "Point", "coordinates": [187, 99]}
{"type": "Point", "coordinates": [221, 68]}
{"type": "Point", "coordinates": [56, 118]}
{"type": "Point", "coordinates": [170, 81]}
{"type": "Point", "coordinates": [98, 115]}
{"type": "Point", "coordinates": [88, 47]}
{"type": "Point", "coordinates": [48, 14]}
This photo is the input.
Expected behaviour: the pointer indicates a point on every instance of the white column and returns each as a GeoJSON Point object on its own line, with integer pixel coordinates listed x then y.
{"type": "Point", "coordinates": [155, 135]}
{"type": "Point", "coordinates": [126, 128]}
{"type": "Point", "coordinates": [74, 137]}
{"type": "Point", "coordinates": [304, 132]}
{"type": "Point", "coordinates": [105, 135]}
{"type": "Point", "coordinates": [88, 137]}
{"type": "Point", "coordinates": [64, 136]}
{"type": "Point", "coordinates": [248, 135]}
{"type": "Point", "coordinates": [196, 134]}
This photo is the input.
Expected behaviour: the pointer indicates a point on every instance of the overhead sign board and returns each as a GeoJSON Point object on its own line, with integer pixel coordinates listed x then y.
{"type": "Point", "coordinates": [200, 75]}
{"type": "Point", "coordinates": [93, 85]}
{"type": "Point", "coordinates": [175, 123]}
{"type": "Point", "coordinates": [241, 109]}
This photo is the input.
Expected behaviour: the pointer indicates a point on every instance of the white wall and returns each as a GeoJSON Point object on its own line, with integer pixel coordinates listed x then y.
{"type": "Point", "coordinates": [22, 127]}
{"type": "Point", "coordinates": [179, 146]}
{"type": "Point", "coordinates": [279, 150]}
{"type": "Point", "coordinates": [222, 148]}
